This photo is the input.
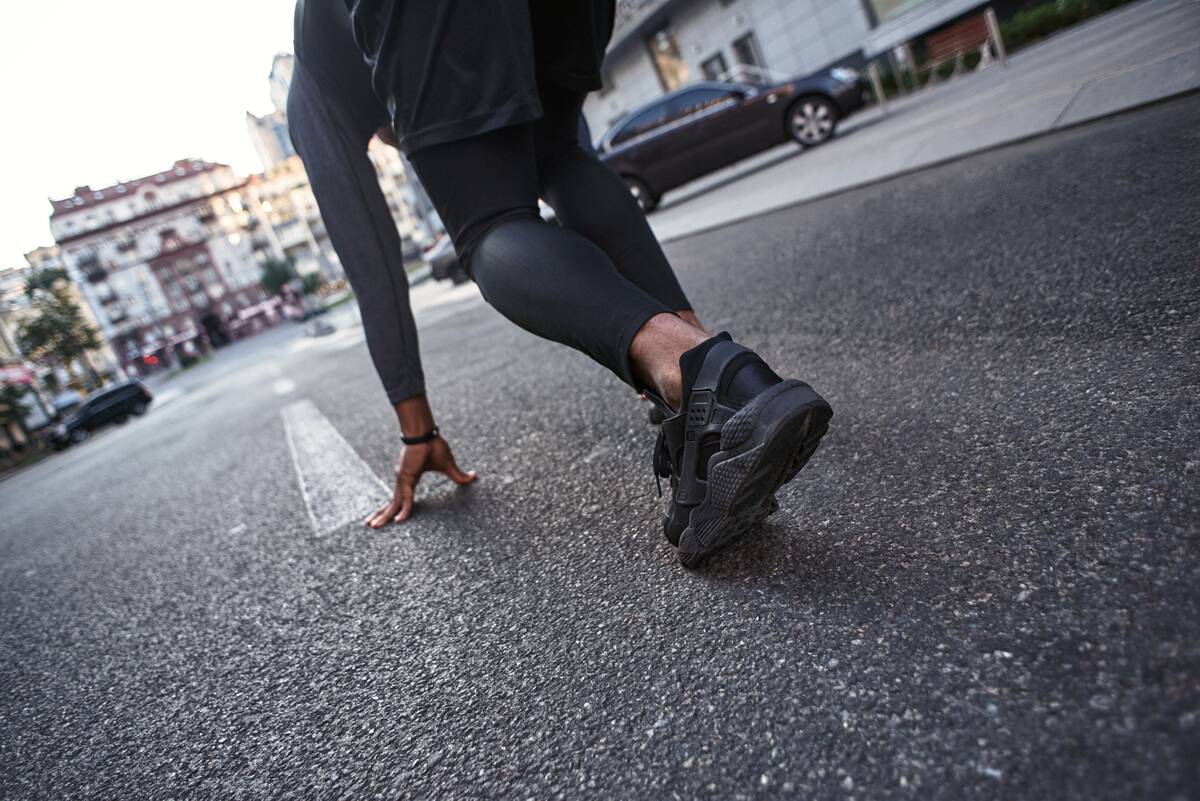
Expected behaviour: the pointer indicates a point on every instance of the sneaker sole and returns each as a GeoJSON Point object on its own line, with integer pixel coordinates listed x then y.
{"type": "Point", "coordinates": [763, 447]}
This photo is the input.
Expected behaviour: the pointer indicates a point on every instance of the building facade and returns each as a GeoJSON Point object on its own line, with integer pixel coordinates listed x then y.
{"type": "Point", "coordinates": [269, 133]}
{"type": "Point", "coordinates": [167, 263]}
{"type": "Point", "coordinates": [660, 45]}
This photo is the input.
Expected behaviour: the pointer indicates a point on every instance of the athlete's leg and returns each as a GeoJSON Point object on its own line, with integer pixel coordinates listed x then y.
{"type": "Point", "coordinates": [591, 200]}
{"type": "Point", "coordinates": [549, 280]}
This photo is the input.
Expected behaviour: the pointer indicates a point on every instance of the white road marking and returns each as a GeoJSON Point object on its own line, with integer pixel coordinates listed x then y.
{"type": "Point", "coordinates": [337, 485]}
{"type": "Point", "coordinates": [345, 337]}
{"type": "Point", "coordinates": [168, 395]}
{"type": "Point", "coordinates": [283, 386]}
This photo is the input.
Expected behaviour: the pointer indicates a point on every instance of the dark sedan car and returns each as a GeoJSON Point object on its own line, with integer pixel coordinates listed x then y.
{"type": "Point", "coordinates": [109, 405]}
{"type": "Point", "coordinates": [705, 126]}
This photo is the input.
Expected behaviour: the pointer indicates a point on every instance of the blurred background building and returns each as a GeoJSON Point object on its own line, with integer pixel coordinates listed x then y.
{"type": "Point", "coordinates": [169, 265]}
{"type": "Point", "coordinates": [269, 132]}
{"type": "Point", "coordinates": [166, 263]}
{"type": "Point", "coordinates": [660, 45]}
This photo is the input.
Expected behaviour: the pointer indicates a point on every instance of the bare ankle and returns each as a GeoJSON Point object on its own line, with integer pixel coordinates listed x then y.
{"type": "Point", "coordinates": [655, 353]}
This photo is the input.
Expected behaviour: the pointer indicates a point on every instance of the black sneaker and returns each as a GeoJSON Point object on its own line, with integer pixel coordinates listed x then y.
{"type": "Point", "coordinates": [726, 453]}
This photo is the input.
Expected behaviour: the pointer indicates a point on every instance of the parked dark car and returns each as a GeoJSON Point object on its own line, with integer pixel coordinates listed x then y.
{"type": "Point", "coordinates": [705, 126]}
{"type": "Point", "coordinates": [109, 405]}
{"type": "Point", "coordinates": [443, 261]}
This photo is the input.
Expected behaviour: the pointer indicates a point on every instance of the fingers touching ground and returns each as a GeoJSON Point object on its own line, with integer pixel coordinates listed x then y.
{"type": "Point", "coordinates": [415, 461]}
{"type": "Point", "coordinates": [459, 476]}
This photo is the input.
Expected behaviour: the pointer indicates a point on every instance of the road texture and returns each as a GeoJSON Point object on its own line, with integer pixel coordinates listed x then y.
{"type": "Point", "coordinates": [985, 585]}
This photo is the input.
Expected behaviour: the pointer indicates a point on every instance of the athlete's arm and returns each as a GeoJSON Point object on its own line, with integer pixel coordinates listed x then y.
{"type": "Point", "coordinates": [363, 233]}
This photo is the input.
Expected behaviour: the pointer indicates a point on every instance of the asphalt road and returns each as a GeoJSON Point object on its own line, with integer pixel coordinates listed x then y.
{"type": "Point", "coordinates": [985, 585]}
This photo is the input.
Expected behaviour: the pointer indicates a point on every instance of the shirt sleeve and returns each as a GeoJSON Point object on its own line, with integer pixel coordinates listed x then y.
{"type": "Point", "coordinates": [362, 231]}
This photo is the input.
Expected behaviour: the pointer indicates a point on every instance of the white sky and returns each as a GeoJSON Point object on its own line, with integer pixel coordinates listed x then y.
{"type": "Point", "coordinates": [96, 91]}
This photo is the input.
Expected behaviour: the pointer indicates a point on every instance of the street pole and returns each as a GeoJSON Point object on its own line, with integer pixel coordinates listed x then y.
{"type": "Point", "coordinates": [877, 86]}
{"type": "Point", "coordinates": [993, 27]}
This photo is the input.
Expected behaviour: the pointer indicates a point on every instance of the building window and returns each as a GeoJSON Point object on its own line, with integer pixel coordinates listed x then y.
{"type": "Point", "coordinates": [714, 67]}
{"type": "Point", "coordinates": [671, 68]}
{"type": "Point", "coordinates": [745, 50]}
{"type": "Point", "coordinates": [884, 10]}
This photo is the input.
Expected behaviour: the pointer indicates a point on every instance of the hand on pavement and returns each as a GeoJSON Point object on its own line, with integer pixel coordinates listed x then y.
{"type": "Point", "coordinates": [415, 461]}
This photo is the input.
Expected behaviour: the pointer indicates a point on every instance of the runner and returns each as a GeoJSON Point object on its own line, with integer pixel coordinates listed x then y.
{"type": "Point", "coordinates": [485, 101]}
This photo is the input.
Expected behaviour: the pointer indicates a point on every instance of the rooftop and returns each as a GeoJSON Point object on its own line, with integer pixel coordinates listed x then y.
{"type": "Point", "coordinates": [85, 197]}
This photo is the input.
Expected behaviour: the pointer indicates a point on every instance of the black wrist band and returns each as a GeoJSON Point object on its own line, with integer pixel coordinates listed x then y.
{"type": "Point", "coordinates": [421, 440]}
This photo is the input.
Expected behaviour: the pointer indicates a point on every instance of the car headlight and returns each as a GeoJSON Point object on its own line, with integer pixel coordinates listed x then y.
{"type": "Point", "coordinates": [844, 74]}
{"type": "Point", "coordinates": [60, 430]}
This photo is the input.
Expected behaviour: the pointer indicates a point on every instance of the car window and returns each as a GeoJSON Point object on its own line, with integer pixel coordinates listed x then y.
{"type": "Point", "coordinates": [646, 121]}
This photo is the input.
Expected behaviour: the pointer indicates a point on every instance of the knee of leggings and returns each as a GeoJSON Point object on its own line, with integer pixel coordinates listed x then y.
{"type": "Point", "coordinates": [469, 244]}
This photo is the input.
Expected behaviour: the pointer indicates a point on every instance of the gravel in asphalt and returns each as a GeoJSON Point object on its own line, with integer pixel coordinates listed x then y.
{"type": "Point", "coordinates": [985, 584]}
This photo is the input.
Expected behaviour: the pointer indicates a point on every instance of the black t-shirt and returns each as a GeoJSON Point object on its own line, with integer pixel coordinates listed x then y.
{"type": "Point", "coordinates": [448, 69]}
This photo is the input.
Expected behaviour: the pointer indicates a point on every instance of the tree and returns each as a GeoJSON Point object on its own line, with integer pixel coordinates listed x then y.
{"type": "Point", "coordinates": [44, 279]}
{"type": "Point", "coordinates": [57, 331]}
{"type": "Point", "coordinates": [276, 274]}
{"type": "Point", "coordinates": [311, 283]}
{"type": "Point", "coordinates": [11, 410]}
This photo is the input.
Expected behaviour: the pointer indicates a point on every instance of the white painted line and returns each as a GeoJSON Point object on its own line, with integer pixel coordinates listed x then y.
{"type": "Point", "coordinates": [345, 337]}
{"type": "Point", "coordinates": [283, 386]}
{"type": "Point", "coordinates": [337, 485]}
{"type": "Point", "coordinates": [168, 395]}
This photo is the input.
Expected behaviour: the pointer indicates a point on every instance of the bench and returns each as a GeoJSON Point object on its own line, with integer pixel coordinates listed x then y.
{"type": "Point", "coordinates": [954, 43]}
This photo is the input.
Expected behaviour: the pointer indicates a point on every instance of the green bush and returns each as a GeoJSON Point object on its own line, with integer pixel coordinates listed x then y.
{"type": "Point", "coordinates": [1032, 24]}
{"type": "Point", "coordinates": [275, 274]}
{"type": "Point", "coordinates": [312, 282]}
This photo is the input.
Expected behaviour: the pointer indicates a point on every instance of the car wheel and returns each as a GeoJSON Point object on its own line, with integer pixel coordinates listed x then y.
{"type": "Point", "coordinates": [80, 435]}
{"type": "Point", "coordinates": [121, 419]}
{"type": "Point", "coordinates": [139, 408]}
{"type": "Point", "coordinates": [646, 199]}
{"type": "Point", "coordinates": [811, 120]}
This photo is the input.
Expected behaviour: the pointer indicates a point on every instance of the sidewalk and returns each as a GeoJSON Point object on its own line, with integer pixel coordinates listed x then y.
{"type": "Point", "coordinates": [1135, 55]}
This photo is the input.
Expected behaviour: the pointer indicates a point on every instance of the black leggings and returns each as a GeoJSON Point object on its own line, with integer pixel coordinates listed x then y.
{"type": "Point", "coordinates": [590, 283]}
